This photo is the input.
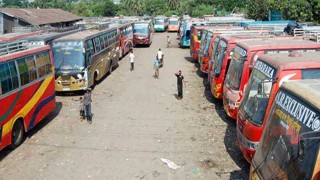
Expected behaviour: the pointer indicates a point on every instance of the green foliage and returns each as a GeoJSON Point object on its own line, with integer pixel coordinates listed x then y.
{"type": "Point", "coordinates": [201, 10]}
{"type": "Point", "coordinates": [258, 9]}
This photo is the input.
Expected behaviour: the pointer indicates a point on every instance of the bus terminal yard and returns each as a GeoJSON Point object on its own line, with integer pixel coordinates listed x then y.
{"type": "Point", "coordinates": [241, 115]}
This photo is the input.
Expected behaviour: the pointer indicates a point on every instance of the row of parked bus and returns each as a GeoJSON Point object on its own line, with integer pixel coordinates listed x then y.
{"type": "Point", "coordinates": [269, 85]}
{"type": "Point", "coordinates": [37, 65]}
{"type": "Point", "coordinates": [163, 23]}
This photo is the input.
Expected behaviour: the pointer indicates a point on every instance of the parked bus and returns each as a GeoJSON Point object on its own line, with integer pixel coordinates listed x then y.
{"type": "Point", "coordinates": [185, 33]}
{"type": "Point", "coordinates": [244, 56]}
{"type": "Point", "coordinates": [221, 57]}
{"type": "Point", "coordinates": [290, 145]}
{"type": "Point", "coordinates": [125, 32]}
{"type": "Point", "coordinates": [173, 25]}
{"type": "Point", "coordinates": [195, 40]}
{"type": "Point", "coordinates": [27, 93]}
{"type": "Point", "coordinates": [161, 24]}
{"type": "Point", "coordinates": [83, 58]}
{"type": "Point", "coordinates": [268, 74]}
{"type": "Point", "coordinates": [142, 33]}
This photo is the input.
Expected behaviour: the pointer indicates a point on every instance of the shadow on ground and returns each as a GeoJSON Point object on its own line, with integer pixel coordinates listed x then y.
{"type": "Point", "coordinates": [230, 135]}
{"type": "Point", "coordinates": [6, 151]}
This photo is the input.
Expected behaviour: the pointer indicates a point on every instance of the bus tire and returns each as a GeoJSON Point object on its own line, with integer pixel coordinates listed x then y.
{"type": "Point", "coordinates": [17, 135]}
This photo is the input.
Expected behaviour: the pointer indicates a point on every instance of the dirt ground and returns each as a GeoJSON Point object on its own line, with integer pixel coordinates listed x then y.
{"type": "Point", "coordinates": [137, 120]}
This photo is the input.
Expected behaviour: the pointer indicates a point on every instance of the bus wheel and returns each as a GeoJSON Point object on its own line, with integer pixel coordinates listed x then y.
{"type": "Point", "coordinates": [17, 134]}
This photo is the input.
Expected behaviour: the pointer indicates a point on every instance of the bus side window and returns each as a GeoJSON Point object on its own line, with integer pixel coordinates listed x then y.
{"type": "Point", "coordinates": [14, 75]}
{"type": "Point", "coordinates": [44, 64]}
{"type": "Point", "coordinates": [31, 68]}
{"type": "Point", "coordinates": [97, 44]}
{"type": "Point", "coordinates": [41, 65]}
{"type": "Point", "coordinates": [23, 71]}
{"type": "Point", "coordinates": [109, 39]}
{"type": "Point", "coordinates": [89, 54]}
{"type": "Point", "coordinates": [5, 79]}
{"type": "Point", "coordinates": [101, 42]}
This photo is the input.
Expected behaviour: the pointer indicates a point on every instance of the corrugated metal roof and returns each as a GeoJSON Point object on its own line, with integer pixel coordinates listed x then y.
{"type": "Point", "coordinates": [40, 16]}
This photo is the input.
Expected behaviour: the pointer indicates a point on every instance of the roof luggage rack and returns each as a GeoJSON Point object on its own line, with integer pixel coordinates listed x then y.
{"type": "Point", "coordinates": [11, 47]}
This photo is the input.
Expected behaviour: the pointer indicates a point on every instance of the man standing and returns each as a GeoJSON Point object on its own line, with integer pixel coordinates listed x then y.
{"type": "Point", "coordinates": [160, 56]}
{"type": "Point", "coordinates": [180, 82]}
{"type": "Point", "coordinates": [131, 57]}
{"type": "Point", "coordinates": [87, 103]}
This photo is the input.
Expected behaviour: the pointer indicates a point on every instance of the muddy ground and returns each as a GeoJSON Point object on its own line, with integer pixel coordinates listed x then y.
{"type": "Point", "coordinates": [137, 120]}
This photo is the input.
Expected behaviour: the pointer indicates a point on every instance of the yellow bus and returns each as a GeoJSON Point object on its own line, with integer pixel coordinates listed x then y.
{"type": "Point", "coordinates": [174, 23]}
{"type": "Point", "coordinates": [83, 58]}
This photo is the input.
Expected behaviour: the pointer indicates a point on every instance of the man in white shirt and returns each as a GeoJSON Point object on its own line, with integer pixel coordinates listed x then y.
{"type": "Point", "coordinates": [131, 57]}
{"type": "Point", "coordinates": [160, 56]}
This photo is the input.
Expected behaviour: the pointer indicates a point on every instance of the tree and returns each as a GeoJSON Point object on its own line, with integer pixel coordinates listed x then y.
{"type": "Point", "coordinates": [202, 10]}
{"type": "Point", "coordinates": [258, 9]}
{"type": "Point", "coordinates": [173, 4]}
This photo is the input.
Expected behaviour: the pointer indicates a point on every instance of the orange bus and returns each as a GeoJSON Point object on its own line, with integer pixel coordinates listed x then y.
{"type": "Point", "coordinates": [173, 24]}
{"type": "Point", "coordinates": [27, 92]}
{"type": "Point", "coordinates": [290, 144]}
{"type": "Point", "coordinates": [268, 74]}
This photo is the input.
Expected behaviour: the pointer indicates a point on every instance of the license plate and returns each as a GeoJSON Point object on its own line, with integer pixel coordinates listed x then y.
{"type": "Point", "coordinates": [66, 89]}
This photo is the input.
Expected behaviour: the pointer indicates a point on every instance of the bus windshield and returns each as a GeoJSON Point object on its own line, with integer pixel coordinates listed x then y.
{"type": "Point", "coordinates": [68, 55]}
{"type": "Point", "coordinates": [234, 74]}
{"type": "Point", "coordinates": [277, 156]}
{"type": "Point", "coordinates": [208, 39]}
{"type": "Point", "coordinates": [141, 29]}
{"type": "Point", "coordinates": [159, 21]}
{"type": "Point", "coordinates": [173, 22]}
{"type": "Point", "coordinates": [202, 44]}
{"type": "Point", "coordinates": [219, 56]}
{"type": "Point", "coordinates": [256, 97]}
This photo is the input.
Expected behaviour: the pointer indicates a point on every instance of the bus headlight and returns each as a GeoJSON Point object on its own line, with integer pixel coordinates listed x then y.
{"type": "Point", "coordinates": [79, 76]}
{"type": "Point", "coordinates": [233, 104]}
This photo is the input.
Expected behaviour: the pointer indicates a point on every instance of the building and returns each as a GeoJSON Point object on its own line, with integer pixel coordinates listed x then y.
{"type": "Point", "coordinates": [12, 19]}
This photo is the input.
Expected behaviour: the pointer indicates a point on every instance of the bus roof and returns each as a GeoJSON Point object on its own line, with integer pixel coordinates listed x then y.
{"type": "Point", "coordinates": [19, 35]}
{"type": "Point", "coordinates": [308, 90]}
{"type": "Point", "coordinates": [294, 60]}
{"type": "Point", "coordinates": [142, 22]}
{"type": "Point", "coordinates": [24, 52]}
{"type": "Point", "coordinates": [83, 35]}
{"type": "Point", "coordinates": [280, 42]}
{"type": "Point", "coordinates": [49, 35]}
{"type": "Point", "coordinates": [233, 38]}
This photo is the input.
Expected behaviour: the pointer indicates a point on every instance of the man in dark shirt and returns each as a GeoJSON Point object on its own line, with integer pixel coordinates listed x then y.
{"type": "Point", "coordinates": [87, 102]}
{"type": "Point", "coordinates": [180, 82]}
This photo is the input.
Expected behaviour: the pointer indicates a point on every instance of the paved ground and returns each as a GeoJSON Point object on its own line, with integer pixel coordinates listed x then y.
{"type": "Point", "coordinates": [137, 120]}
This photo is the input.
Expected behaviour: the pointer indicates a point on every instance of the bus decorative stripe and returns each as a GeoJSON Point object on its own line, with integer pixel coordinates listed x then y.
{"type": "Point", "coordinates": [11, 107]}
{"type": "Point", "coordinates": [28, 106]}
{"type": "Point", "coordinates": [265, 69]}
{"type": "Point", "coordinates": [39, 107]}
{"type": "Point", "coordinates": [298, 110]}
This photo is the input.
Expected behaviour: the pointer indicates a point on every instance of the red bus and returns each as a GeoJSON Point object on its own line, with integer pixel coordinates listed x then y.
{"type": "Point", "coordinates": [27, 92]}
{"type": "Point", "coordinates": [142, 33]}
{"type": "Point", "coordinates": [244, 56]}
{"type": "Point", "coordinates": [268, 74]}
{"type": "Point", "coordinates": [220, 59]}
{"type": "Point", "coordinates": [125, 32]}
{"type": "Point", "coordinates": [290, 144]}
{"type": "Point", "coordinates": [195, 40]}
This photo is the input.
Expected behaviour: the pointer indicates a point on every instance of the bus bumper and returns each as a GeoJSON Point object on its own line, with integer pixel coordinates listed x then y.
{"type": "Point", "coordinates": [68, 85]}
{"type": "Point", "coordinates": [246, 147]}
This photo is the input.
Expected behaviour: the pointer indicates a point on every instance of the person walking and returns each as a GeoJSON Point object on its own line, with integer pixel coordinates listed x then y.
{"type": "Point", "coordinates": [156, 66]}
{"type": "Point", "coordinates": [160, 57]}
{"type": "Point", "coordinates": [131, 57]}
{"type": "Point", "coordinates": [180, 82]}
{"type": "Point", "coordinates": [168, 41]}
{"type": "Point", "coordinates": [87, 102]}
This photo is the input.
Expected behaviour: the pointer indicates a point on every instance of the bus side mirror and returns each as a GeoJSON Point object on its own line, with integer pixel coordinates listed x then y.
{"type": "Point", "coordinates": [308, 145]}
{"type": "Point", "coordinates": [216, 74]}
